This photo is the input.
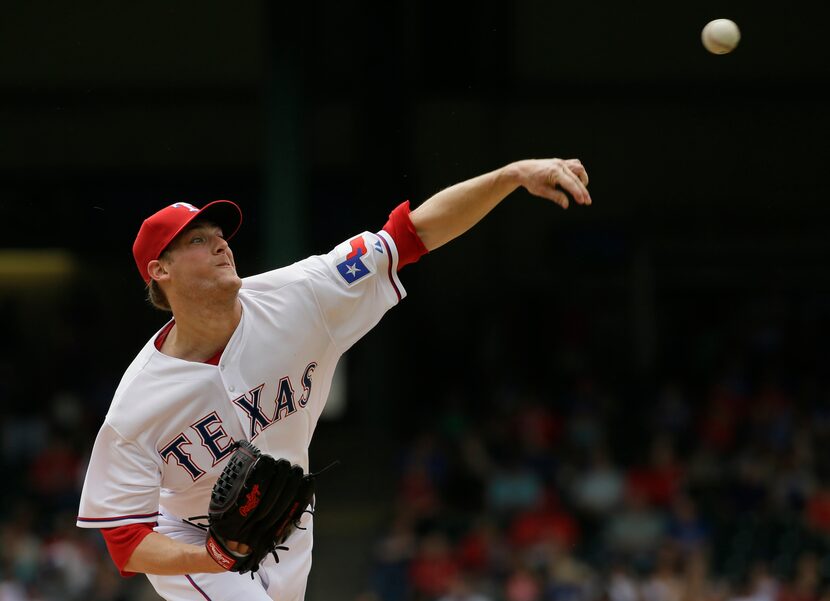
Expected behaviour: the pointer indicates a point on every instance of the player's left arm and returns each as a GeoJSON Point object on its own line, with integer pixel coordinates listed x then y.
{"type": "Point", "coordinates": [453, 211]}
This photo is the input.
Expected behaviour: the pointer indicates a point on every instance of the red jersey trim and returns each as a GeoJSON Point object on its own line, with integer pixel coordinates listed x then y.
{"type": "Point", "coordinates": [391, 277]}
{"type": "Point", "coordinates": [159, 341]}
{"type": "Point", "coordinates": [409, 244]}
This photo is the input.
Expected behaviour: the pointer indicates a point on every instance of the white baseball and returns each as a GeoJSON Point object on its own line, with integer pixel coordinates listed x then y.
{"type": "Point", "coordinates": [720, 36]}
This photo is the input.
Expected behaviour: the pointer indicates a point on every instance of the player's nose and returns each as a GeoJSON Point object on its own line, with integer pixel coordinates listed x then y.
{"type": "Point", "coordinates": [221, 245]}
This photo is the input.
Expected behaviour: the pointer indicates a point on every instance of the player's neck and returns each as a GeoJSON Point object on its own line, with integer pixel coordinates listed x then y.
{"type": "Point", "coordinates": [202, 331]}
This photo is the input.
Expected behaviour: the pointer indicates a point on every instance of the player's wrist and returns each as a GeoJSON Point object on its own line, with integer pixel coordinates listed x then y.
{"type": "Point", "coordinates": [226, 554]}
{"type": "Point", "coordinates": [511, 174]}
{"type": "Point", "coordinates": [208, 560]}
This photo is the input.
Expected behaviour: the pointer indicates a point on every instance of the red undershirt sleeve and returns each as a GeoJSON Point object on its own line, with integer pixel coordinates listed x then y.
{"type": "Point", "coordinates": [409, 244]}
{"type": "Point", "coordinates": [122, 541]}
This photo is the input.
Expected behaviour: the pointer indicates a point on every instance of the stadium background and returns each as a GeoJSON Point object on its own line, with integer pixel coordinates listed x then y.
{"type": "Point", "coordinates": [677, 327]}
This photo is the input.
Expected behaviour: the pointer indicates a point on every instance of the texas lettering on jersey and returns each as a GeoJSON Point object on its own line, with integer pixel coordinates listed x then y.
{"type": "Point", "coordinates": [215, 439]}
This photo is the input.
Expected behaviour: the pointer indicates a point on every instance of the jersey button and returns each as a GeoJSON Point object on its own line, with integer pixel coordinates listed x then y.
{"type": "Point", "coordinates": [231, 388]}
{"type": "Point", "coordinates": [221, 368]}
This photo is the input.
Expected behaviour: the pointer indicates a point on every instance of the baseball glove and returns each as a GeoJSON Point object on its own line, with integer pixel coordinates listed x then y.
{"type": "Point", "coordinates": [257, 501]}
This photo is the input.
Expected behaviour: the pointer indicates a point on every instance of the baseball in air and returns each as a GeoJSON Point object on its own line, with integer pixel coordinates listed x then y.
{"type": "Point", "coordinates": [721, 36]}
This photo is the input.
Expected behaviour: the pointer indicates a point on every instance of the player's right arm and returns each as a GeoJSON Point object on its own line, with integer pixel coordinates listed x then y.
{"type": "Point", "coordinates": [160, 554]}
{"type": "Point", "coordinates": [454, 210]}
{"type": "Point", "coordinates": [121, 497]}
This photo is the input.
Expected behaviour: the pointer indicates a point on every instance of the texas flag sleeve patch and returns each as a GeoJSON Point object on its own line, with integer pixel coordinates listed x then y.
{"type": "Point", "coordinates": [352, 268]}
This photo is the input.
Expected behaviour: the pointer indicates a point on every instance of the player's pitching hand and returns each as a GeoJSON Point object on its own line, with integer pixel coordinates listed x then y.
{"type": "Point", "coordinates": [559, 180]}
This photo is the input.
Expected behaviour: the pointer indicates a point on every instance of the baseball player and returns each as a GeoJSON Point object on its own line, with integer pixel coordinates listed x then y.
{"type": "Point", "coordinates": [252, 360]}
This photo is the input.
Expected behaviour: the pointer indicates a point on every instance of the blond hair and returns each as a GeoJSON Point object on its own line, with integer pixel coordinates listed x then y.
{"type": "Point", "coordinates": [155, 294]}
{"type": "Point", "coordinates": [157, 297]}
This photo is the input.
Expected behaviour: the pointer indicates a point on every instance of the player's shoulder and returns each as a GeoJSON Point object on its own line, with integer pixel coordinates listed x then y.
{"type": "Point", "coordinates": [137, 366]}
{"type": "Point", "coordinates": [145, 378]}
{"type": "Point", "coordinates": [122, 411]}
{"type": "Point", "coordinates": [277, 278]}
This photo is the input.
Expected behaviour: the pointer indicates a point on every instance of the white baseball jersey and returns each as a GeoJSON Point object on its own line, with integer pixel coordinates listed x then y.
{"type": "Point", "coordinates": [172, 422]}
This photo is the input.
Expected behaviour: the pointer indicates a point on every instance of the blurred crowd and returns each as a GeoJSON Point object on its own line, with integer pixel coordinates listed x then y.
{"type": "Point", "coordinates": [43, 555]}
{"type": "Point", "coordinates": [710, 488]}
{"type": "Point", "coordinates": [55, 386]}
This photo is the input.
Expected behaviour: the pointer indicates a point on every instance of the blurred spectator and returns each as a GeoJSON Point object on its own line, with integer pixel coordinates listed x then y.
{"type": "Point", "coordinates": [537, 426]}
{"type": "Point", "coordinates": [686, 529]}
{"type": "Point", "coordinates": [795, 478]}
{"type": "Point", "coordinates": [482, 551]}
{"type": "Point", "coordinates": [69, 560]}
{"type": "Point", "coordinates": [664, 583]}
{"type": "Point", "coordinates": [392, 554]}
{"type": "Point", "coordinates": [805, 584]}
{"type": "Point", "coordinates": [20, 547]}
{"type": "Point", "coordinates": [584, 427]}
{"type": "Point", "coordinates": [538, 430]}
{"type": "Point", "coordinates": [621, 584]}
{"type": "Point", "coordinates": [66, 412]}
{"type": "Point", "coordinates": [418, 491]}
{"type": "Point", "coordinates": [23, 436]}
{"type": "Point", "coordinates": [752, 477]}
{"type": "Point", "coordinates": [514, 487]}
{"type": "Point", "coordinates": [568, 578]}
{"type": "Point", "coordinates": [433, 569]}
{"type": "Point", "coordinates": [758, 586]}
{"type": "Point", "coordinates": [771, 417]}
{"type": "Point", "coordinates": [698, 582]}
{"type": "Point", "coordinates": [724, 408]}
{"type": "Point", "coordinates": [636, 530]}
{"type": "Point", "coordinates": [11, 590]}
{"type": "Point", "coordinates": [817, 510]}
{"type": "Point", "coordinates": [660, 480]}
{"type": "Point", "coordinates": [109, 586]}
{"type": "Point", "coordinates": [461, 589]}
{"type": "Point", "coordinates": [54, 475]}
{"type": "Point", "coordinates": [598, 489]}
{"type": "Point", "coordinates": [423, 467]}
{"type": "Point", "coordinates": [522, 585]}
{"type": "Point", "coordinates": [546, 522]}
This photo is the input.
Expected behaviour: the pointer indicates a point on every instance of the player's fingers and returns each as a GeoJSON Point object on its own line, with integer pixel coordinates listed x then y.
{"type": "Point", "coordinates": [571, 183]}
{"type": "Point", "coordinates": [562, 176]}
{"type": "Point", "coordinates": [578, 169]}
{"type": "Point", "coordinates": [557, 196]}
{"type": "Point", "coordinates": [241, 548]}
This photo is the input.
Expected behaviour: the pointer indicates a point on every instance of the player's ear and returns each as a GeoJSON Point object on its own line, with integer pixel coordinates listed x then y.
{"type": "Point", "coordinates": [157, 270]}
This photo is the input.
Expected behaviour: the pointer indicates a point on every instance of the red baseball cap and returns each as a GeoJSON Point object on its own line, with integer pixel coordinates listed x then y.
{"type": "Point", "coordinates": [158, 230]}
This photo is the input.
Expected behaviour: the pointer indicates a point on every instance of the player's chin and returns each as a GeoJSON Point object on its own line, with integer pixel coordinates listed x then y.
{"type": "Point", "coordinates": [227, 281]}
{"type": "Point", "coordinates": [232, 282]}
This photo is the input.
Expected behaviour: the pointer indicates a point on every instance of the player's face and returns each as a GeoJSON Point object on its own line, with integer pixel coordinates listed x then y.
{"type": "Point", "coordinates": [201, 261]}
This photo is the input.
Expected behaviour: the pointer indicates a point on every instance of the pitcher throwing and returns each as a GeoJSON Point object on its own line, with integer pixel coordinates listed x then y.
{"type": "Point", "coordinates": [251, 360]}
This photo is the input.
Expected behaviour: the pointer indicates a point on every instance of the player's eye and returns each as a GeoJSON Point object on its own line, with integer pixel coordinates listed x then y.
{"type": "Point", "coordinates": [197, 240]}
